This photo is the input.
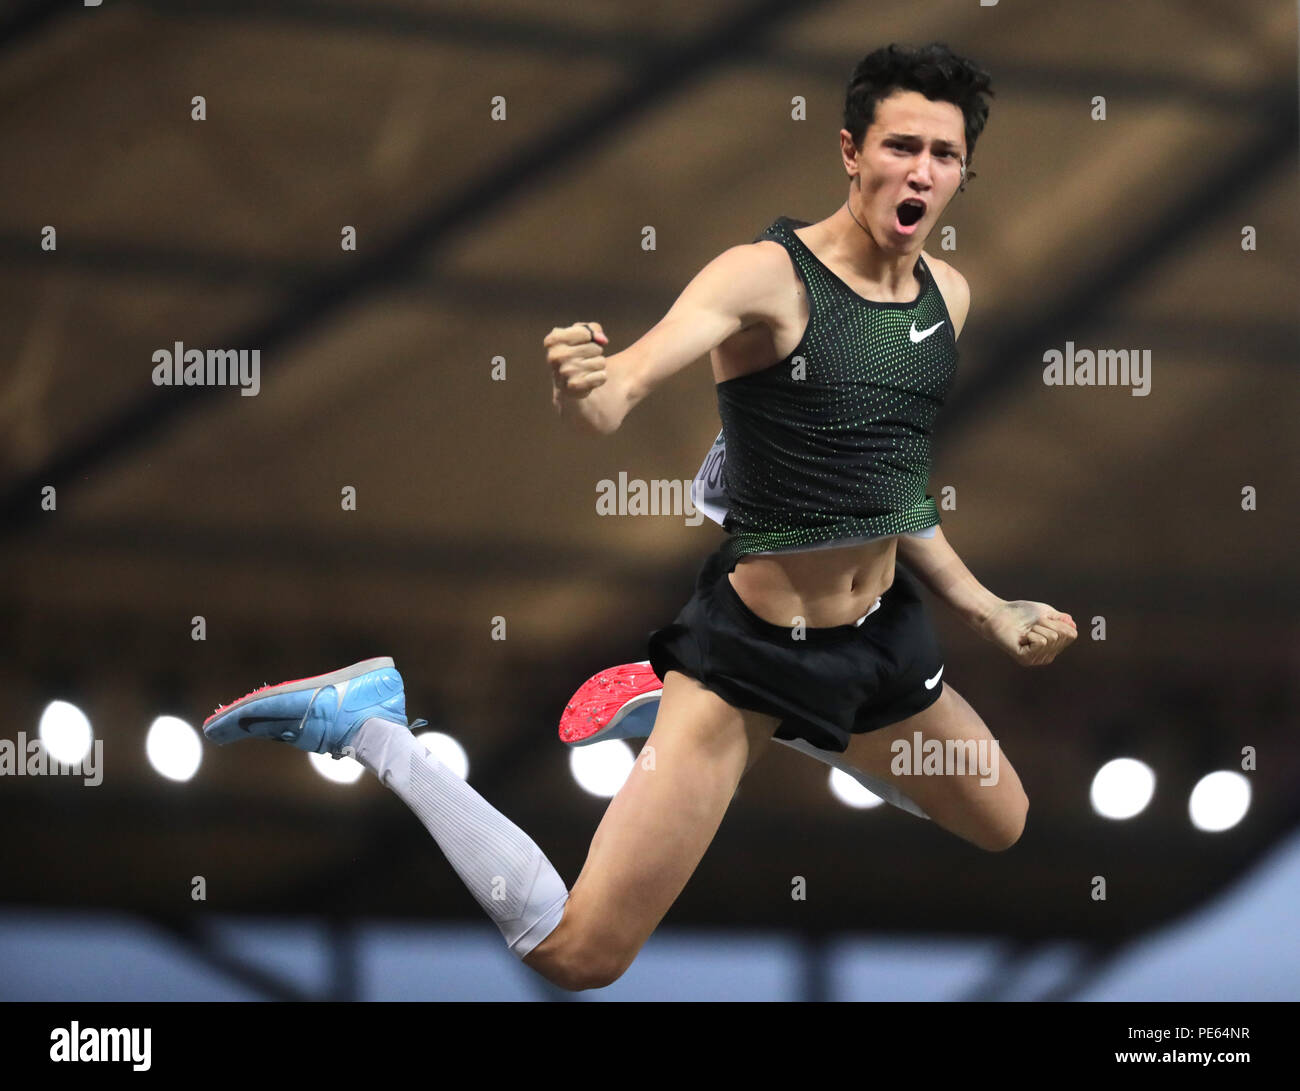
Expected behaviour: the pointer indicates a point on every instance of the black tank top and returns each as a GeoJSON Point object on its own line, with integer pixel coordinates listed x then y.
{"type": "Point", "coordinates": [833, 442]}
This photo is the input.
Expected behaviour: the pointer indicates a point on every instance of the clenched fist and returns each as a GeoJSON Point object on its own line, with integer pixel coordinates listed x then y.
{"type": "Point", "coordinates": [1032, 633]}
{"type": "Point", "coordinates": [576, 356]}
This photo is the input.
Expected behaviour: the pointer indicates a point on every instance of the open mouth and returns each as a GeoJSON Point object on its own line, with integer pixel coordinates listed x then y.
{"type": "Point", "coordinates": [910, 212]}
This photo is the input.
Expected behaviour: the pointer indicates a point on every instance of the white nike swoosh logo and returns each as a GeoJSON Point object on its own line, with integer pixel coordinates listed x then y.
{"type": "Point", "coordinates": [922, 335]}
{"type": "Point", "coordinates": [930, 683]}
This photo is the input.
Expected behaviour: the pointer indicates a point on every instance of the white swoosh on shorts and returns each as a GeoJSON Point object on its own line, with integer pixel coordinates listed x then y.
{"type": "Point", "coordinates": [921, 335]}
{"type": "Point", "coordinates": [930, 683]}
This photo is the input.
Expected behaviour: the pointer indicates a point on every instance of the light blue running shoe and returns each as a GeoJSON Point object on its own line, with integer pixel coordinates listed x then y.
{"type": "Point", "coordinates": [321, 714]}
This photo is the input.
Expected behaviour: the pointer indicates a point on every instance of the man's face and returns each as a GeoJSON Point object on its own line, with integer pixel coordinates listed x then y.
{"type": "Point", "coordinates": [908, 168]}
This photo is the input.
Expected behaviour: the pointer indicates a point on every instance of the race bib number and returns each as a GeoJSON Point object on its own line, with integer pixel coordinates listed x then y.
{"type": "Point", "coordinates": [706, 489]}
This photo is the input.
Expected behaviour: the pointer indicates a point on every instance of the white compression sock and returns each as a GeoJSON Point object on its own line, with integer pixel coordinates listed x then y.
{"type": "Point", "coordinates": [500, 864]}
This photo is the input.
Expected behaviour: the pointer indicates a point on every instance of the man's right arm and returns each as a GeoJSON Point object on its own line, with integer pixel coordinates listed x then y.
{"type": "Point", "coordinates": [735, 290]}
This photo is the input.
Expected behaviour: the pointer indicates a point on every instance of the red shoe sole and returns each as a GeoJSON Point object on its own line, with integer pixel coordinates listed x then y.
{"type": "Point", "coordinates": [601, 697]}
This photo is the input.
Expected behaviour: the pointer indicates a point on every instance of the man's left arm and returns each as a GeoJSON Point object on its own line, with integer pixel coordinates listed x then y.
{"type": "Point", "coordinates": [1032, 633]}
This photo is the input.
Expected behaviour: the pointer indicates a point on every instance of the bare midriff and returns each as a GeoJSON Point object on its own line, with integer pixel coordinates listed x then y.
{"type": "Point", "coordinates": [825, 587]}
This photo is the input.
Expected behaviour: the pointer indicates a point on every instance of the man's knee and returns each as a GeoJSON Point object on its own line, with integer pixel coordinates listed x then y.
{"type": "Point", "coordinates": [576, 960]}
{"type": "Point", "coordinates": [1009, 825]}
{"type": "Point", "coordinates": [594, 970]}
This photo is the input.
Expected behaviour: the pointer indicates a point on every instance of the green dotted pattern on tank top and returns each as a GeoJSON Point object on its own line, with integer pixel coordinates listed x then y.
{"type": "Point", "coordinates": [843, 451]}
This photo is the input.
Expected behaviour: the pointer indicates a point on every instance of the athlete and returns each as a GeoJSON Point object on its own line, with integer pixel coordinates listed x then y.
{"type": "Point", "coordinates": [832, 346]}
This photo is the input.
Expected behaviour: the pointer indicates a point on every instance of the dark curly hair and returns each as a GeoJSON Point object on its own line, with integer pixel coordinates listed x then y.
{"type": "Point", "coordinates": [935, 71]}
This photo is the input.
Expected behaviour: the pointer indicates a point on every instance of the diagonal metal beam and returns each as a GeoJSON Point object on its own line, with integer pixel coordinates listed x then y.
{"type": "Point", "coordinates": [517, 31]}
{"type": "Point", "coordinates": [196, 936]}
{"type": "Point", "coordinates": [1098, 958]}
{"type": "Point", "coordinates": [528, 166]}
{"type": "Point", "coordinates": [546, 37]}
{"type": "Point", "coordinates": [1019, 351]}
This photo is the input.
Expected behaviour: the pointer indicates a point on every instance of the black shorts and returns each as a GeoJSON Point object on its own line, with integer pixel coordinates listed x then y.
{"type": "Point", "coordinates": [833, 683]}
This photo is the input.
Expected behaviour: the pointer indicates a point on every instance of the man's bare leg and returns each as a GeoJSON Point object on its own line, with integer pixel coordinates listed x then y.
{"type": "Point", "coordinates": [621, 702]}
{"type": "Point", "coordinates": [650, 840]}
{"type": "Point", "coordinates": [989, 815]}
{"type": "Point", "coordinates": [653, 834]}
